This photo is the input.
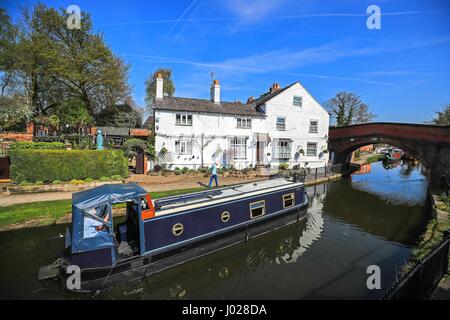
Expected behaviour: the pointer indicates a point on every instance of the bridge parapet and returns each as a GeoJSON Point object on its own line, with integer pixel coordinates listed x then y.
{"type": "Point", "coordinates": [422, 132]}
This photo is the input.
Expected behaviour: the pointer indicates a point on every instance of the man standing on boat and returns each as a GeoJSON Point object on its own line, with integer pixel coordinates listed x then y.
{"type": "Point", "coordinates": [214, 174]}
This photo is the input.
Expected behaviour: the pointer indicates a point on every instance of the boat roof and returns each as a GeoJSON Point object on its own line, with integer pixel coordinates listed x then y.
{"type": "Point", "coordinates": [112, 193]}
{"type": "Point", "coordinates": [198, 199]}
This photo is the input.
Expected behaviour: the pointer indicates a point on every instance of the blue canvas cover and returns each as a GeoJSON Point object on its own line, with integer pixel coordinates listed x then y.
{"type": "Point", "coordinates": [100, 198]}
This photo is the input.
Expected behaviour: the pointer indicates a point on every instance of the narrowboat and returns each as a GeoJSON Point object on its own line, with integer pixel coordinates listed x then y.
{"type": "Point", "coordinates": [166, 232]}
{"type": "Point", "coordinates": [393, 155]}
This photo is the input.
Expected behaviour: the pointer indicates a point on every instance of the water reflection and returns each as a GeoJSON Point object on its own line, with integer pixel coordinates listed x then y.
{"type": "Point", "coordinates": [403, 184]}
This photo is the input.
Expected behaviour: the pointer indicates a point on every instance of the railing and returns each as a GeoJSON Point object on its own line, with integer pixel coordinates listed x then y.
{"type": "Point", "coordinates": [445, 184]}
{"type": "Point", "coordinates": [420, 282]}
{"type": "Point", "coordinates": [311, 174]}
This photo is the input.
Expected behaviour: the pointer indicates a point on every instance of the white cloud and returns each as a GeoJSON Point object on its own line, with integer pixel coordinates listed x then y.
{"type": "Point", "coordinates": [252, 10]}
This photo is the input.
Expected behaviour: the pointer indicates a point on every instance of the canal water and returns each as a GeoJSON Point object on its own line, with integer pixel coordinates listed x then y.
{"type": "Point", "coordinates": [372, 218]}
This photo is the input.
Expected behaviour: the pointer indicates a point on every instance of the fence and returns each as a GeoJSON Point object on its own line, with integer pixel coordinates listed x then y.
{"type": "Point", "coordinates": [309, 174]}
{"type": "Point", "coordinates": [423, 278]}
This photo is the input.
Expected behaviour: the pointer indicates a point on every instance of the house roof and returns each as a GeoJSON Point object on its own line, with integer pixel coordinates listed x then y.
{"type": "Point", "coordinates": [207, 106]}
{"type": "Point", "coordinates": [269, 95]}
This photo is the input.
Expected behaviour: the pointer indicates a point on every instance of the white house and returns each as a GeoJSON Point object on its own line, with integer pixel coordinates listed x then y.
{"type": "Point", "coordinates": [284, 125]}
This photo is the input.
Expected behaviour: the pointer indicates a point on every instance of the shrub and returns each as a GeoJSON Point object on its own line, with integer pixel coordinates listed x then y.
{"type": "Point", "coordinates": [185, 170]}
{"type": "Point", "coordinates": [157, 168]}
{"type": "Point", "coordinates": [104, 178]}
{"type": "Point", "coordinates": [20, 145]}
{"type": "Point", "coordinates": [39, 182]}
{"type": "Point", "coordinates": [88, 180]}
{"type": "Point", "coordinates": [357, 154]}
{"type": "Point", "coordinates": [116, 177]}
{"type": "Point", "coordinates": [178, 171]}
{"type": "Point", "coordinates": [56, 182]}
{"type": "Point", "coordinates": [283, 166]}
{"type": "Point", "coordinates": [65, 165]}
{"type": "Point", "coordinates": [203, 169]}
{"type": "Point", "coordinates": [24, 183]}
{"type": "Point", "coordinates": [76, 181]}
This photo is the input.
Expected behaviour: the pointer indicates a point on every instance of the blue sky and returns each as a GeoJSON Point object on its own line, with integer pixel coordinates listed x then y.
{"type": "Point", "coordinates": [402, 71]}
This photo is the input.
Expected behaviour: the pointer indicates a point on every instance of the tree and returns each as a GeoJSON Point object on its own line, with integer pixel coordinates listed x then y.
{"type": "Point", "coordinates": [150, 86]}
{"type": "Point", "coordinates": [73, 112]}
{"type": "Point", "coordinates": [442, 118]}
{"type": "Point", "coordinates": [54, 63]}
{"type": "Point", "coordinates": [8, 43]}
{"type": "Point", "coordinates": [124, 115]}
{"type": "Point", "coordinates": [347, 108]}
{"type": "Point", "coordinates": [14, 112]}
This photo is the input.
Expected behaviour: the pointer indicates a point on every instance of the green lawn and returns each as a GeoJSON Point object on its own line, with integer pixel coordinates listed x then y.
{"type": "Point", "coordinates": [49, 211]}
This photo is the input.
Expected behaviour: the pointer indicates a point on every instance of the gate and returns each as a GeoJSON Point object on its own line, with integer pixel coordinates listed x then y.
{"type": "Point", "coordinates": [5, 163]}
{"type": "Point", "coordinates": [140, 162]}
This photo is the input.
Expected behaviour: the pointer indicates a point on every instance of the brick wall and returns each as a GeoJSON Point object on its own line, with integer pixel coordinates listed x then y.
{"type": "Point", "coordinates": [16, 136]}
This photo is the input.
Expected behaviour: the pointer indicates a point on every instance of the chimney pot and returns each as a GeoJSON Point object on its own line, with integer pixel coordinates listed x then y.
{"type": "Point", "coordinates": [274, 87]}
{"type": "Point", "coordinates": [250, 99]}
{"type": "Point", "coordinates": [215, 91]}
{"type": "Point", "coordinates": [159, 86]}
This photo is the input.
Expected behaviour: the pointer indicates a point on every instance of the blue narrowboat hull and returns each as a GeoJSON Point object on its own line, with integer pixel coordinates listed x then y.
{"type": "Point", "coordinates": [203, 231]}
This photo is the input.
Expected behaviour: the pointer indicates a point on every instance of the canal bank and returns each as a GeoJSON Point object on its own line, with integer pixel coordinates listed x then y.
{"type": "Point", "coordinates": [375, 218]}
{"type": "Point", "coordinates": [46, 211]}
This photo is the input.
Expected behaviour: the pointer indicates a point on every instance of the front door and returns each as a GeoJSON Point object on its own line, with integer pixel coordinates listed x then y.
{"type": "Point", "coordinates": [259, 152]}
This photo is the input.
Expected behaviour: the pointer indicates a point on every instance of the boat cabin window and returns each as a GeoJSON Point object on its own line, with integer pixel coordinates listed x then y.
{"type": "Point", "coordinates": [257, 209]}
{"type": "Point", "coordinates": [288, 200]}
{"type": "Point", "coordinates": [96, 221]}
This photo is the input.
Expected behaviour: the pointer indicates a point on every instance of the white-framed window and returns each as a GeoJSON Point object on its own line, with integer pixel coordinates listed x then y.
{"type": "Point", "coordinates": [297, 101]}
{"type": "Point", "coordinates": [238, 146]}
{"type": "Point", "coordinates": [182, 119]}
{"type": "Point", "coordinates": [283, 149]}
{"type": "Point", "coordinates": [245, 123]}
{"type": "Point", "coordinates": [257, 209]}
{"type": "Point", "coordinates": [183, 147]}
{"type": "Point", "coordinates": [311, 149]}
{"type": "Point", "coordinates": [313, 126]}
{"type": "Point", "coordinates": [281, 123]}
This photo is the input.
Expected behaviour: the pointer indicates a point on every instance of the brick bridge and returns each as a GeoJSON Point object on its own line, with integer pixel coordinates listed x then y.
{"type": "Point", "coordinates": [428, 143]}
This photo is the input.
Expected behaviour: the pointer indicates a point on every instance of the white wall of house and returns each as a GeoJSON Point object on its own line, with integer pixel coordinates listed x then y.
{"type": "Point", "coordinates": [297, 127]}
{"type": "Point", "coordinates": [218, 129]}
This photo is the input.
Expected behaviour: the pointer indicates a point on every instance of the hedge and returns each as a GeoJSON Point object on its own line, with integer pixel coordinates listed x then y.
{"type": "Point", "coordinates": [65, 165]}
{"type": "Point", "coordinates": [37, 145]}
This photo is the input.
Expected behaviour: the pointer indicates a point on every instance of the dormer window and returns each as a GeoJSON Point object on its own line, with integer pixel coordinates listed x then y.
{"type": "Point", "coordinates": [244, 123]}
{"type": "Point", "coordinates": [183, 119]}
{"type": "Point", "coordinates": [297, 101]}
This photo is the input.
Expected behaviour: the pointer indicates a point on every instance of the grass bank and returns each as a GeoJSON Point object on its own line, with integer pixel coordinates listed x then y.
{"type": "Point", "coordinates": [48, 212]}
{"type": "Point", "coordinates": [433, 235]}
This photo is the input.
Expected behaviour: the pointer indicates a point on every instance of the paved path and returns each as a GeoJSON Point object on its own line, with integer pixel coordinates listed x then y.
{"type": "Point", "coordinates": [150, 183]}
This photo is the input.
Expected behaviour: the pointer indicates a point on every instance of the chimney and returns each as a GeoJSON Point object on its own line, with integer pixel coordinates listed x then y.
{"type": "Point", "coordinates": [274, 87]}
{"type": "Point", "coordinates": [250, 99]}
{"type": "Point", "coordinates": [215, 91]}
{"type": "Point", "coordinates": [159, 86]}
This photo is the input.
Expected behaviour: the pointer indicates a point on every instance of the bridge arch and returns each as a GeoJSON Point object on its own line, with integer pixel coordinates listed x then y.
{"type": "Point", "coordinates": [428, 143]}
